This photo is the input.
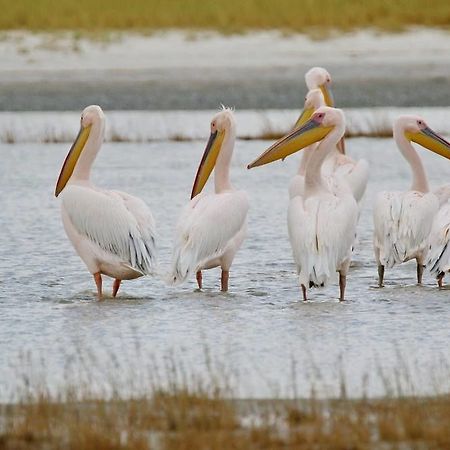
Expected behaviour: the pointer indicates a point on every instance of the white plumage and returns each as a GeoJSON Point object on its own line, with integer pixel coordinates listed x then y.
{"type": "Point", "coordinates": [403, 220]}
{"type": "Point", "coordinates": [443, 194]}
{"type": "Point", "coordinates": [438, 261]}
{"type": "Point", "coordinates": [336, 164]}
{"type": "Point", "coordinates": [322, 221]}
{"type": "Point", "coordinates": [117, 228]}
{"type": "Point", "coordinates": [212, 227]}
{"type": "Point", "coordinates": [209, 232]}
{"type": "Point", "coordinates": [322, 231]}
{"type": "Point", "coordinates": [322, 217]}
{"type": "Point", "coordinates": [113, 232]}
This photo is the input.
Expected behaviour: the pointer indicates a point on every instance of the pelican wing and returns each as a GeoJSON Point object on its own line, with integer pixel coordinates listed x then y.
{"type": "Point", "coordinates": [403, 222]}
{"type": "Point", "coordinates": [357, 175]}
{"type": "Point", "coordinates": [439, 254]}
{"type": "Point", "coordinates": [118, 223]}
{"type": "Point", "coordinates": [443, 194]}
{"type": "Point", "coordinates": [206, 226]}
{"type": "Point", "coordinates": [321, 230]}
{"type": "Point", "coordinates": [297, 186]}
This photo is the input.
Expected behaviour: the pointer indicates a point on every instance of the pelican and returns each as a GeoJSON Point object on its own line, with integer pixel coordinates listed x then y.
{"type": "Point", "coordinates": [321, 222]}
{"type": "Point", "coordinates": [356, 174]}
{"type": "Point", "coordinates": [212, 227]}
{"type": "Point", "coordinates": [112, 232]}
{"type": "Point", "coordinates": [403, 220]}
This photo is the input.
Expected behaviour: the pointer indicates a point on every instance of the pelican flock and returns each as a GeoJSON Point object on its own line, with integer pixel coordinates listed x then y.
{"type": "Point", "coordinates": [114, 233]}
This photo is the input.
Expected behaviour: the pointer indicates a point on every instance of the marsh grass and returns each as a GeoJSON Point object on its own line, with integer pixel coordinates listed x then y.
{"type": "Point", "coordinates": [231, 16]}
{"type": "Point", "coordinates": [197, 419]}
{"type": "Point", "coordinates": [178, 410]}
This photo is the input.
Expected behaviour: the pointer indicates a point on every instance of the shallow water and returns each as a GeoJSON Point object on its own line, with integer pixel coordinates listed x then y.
{"type": "Point", "coordinates": [260, 331]}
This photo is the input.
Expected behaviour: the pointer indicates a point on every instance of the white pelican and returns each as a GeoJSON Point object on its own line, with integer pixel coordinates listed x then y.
{"type": "Point", "coordinates": [356, 174]}
{"type": "Point", "coordinates": [403, 220]}
{"type": "Point", "coordinates": [112, 232]}
{"type": "Point", "coordinates": [212, 227]}
{"type": "Point", "coordinates": [321, 223]}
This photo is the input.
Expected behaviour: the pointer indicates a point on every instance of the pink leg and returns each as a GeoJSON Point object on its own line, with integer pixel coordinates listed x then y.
{"type": "Point", "coordinates": [98, 282]}
{"type": "Point", "coordinates": [342, 284]}
{"type": "Point", "coordinates": [440, 279]}
{"type": "Point", "coordinates": [420, 267]}
{"type": "Point", "coordinates": [224, 280]}
{"type": "Point", "coordinates": [199, 279]}
{"type": "Point", "coordinates": [304, 293]}
{"type": "Point", "coordinates": [116, 287]}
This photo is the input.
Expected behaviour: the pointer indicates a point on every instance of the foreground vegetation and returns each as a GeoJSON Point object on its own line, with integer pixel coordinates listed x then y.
{"type": "Point", "coordinates": [183, 418]}
{"type": "Point", "coordinates": [225, 16]}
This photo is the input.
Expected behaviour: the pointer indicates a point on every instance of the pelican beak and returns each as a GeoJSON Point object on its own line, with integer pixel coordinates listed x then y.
{"type": "Point", "coordinates": [431, 140]}
{"type": "Point", "coordinates": [304, 117]}
{"type": "Point", "coordinates": [311, 132]}
{"type": "Point", "coordinates": [327, 94]}
{"type": "Point", "coordinates": [208, 161]}
{"type": "Point", "coordinates": [72, 158]}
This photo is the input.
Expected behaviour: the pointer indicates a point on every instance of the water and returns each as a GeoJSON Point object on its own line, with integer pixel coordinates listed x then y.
{"type": "Point", "coordinates": [260, 331]}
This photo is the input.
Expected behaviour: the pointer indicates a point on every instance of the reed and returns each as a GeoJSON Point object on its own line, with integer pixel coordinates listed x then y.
{"type": "Point", "coordinates": [181, 411]}
{"type": "Point", "coordinates": [228, 16]}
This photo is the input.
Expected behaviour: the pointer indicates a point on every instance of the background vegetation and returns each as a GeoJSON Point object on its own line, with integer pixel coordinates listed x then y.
{"type": "Point", "coordinates": [225, 16]}
{"type": "Point", "coordinates": [183, 418]}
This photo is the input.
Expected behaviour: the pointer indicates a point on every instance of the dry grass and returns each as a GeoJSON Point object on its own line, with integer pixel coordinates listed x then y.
{"type": "Point", "coordinates": [192, 412]}
{"type": "Point", "coordinates": [183, 418]}
{"type": "Point", "coordinates": [228, 16]}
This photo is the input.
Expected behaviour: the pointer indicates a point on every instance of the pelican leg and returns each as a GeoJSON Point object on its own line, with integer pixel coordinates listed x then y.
{"type": "Point", "coordinates": [420, 267]}
{"type": "Point", "coordinates": [380, 275]}
{"type": "Point", "coordinates": [304, 293]}
{"type": "Point", "coordinates": [342, 284]}
{"type": "Point", "coordinates": [224, 280]}
{"type": "Point", "coordinates": [440, 279]}
{"type": "Point", "coordinates": [116, 287]}
{"type": "Point", "coordinates": [199, 279]}
{"type": "Point", "coordinates": [98, 282]}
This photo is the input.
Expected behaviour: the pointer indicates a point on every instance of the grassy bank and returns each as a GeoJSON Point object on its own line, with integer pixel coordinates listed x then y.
{"type": "Point", "coordinates": [169, 406]}
{"type": "Point", "coordinates": [229, 16]}
{"type": "Point", "coordinates": [196, 419]}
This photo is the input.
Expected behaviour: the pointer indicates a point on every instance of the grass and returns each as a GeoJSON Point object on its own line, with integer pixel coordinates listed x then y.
{"type": "Point", "coordinates": [227, 16]}
{"type": "Point", "coordinates": [198, 419]}
{"type": "Point", "coordinates": [178, 410]}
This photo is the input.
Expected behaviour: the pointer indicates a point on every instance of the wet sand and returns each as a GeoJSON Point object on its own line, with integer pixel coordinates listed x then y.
{"type": "Point", "coordinates": [262, 70]}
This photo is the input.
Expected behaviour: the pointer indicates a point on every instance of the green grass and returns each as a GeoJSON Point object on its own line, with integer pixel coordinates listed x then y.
{"type": "Point", "coordinates": [225, 16]}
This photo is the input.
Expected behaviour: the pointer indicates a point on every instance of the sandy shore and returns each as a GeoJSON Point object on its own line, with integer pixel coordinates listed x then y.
{"type": "Point", "coordinates": [259, 70]}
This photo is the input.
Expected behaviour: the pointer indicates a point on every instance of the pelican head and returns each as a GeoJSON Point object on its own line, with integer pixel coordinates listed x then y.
{"type": "Point", "coordinates": [313, 101]}
{"type": "Point", "coordinates": [415, 129]}
{"type": "Point", "coordinates": [90, 115]}
{"type": "Point", "coordinates": [324, 120]}
{"type": "Point", "coordinates": [221, 124]}
{"type": "Point", "coordinates": [318, 77]}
